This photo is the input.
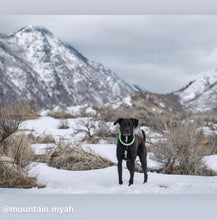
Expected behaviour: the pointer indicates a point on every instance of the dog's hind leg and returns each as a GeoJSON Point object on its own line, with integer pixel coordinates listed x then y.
{"type": "Point", "coordinates": [142, 157]}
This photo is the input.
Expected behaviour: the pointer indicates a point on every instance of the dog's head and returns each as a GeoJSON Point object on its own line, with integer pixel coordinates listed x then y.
{"type": "Point", "coordinates": [127, 125]}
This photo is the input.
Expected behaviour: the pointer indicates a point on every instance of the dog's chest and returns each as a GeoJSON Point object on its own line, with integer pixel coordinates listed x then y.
{"type": "Point", "coordinates": [129, 152]}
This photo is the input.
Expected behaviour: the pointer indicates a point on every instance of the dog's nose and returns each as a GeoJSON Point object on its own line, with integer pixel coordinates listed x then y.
{"type": "Point", "coordinates": [127, 132]}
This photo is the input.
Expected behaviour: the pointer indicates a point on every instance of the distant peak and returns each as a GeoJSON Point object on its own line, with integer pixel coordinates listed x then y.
{"type": "Point", "coordinates": [35, 28]}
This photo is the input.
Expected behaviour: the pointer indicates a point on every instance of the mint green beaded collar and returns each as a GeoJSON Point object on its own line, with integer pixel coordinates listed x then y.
{"type": "Point", "coordinates": [127, 144]}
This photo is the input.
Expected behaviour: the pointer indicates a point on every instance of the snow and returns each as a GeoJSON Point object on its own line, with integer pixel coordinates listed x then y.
{"type": "Point", "coordinates": [41, 148]}
{"type": "Point", "coordinates": [200, 95]}
{"type": "Point", "coordinates": [109, 151]}
{"type": "Point", "coordinates": [211, 162]}
{"type": "Point", "coordinates": [188, 97]}
{"type": "Point", "coordinates": [162, 105]}
{"type": "Point", "coordinates": [50, 126]}
{"type": "Point", "coordinates": [105, 181]}
{"type": "Point", "coordinates": [208, 131]}
{"type": "Point", "coordinates": [125, 101]}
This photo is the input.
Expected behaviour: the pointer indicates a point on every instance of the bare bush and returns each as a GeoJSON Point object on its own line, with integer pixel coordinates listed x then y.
{"type": "Point", "coordinates": [10, 178]}
{"type": "Point", "coordinates": [66, 156]}
{"type": "Point", "coordinates": [88, 127]}
{"type": "Point", "coordinates": [9, 123]}
{"type": "Point", "coordinates": [96, 131]}
{"type": "Point", "coordinates": [15, 169]}
{"type": "Point", "coordinates": [212, 143]}
{"type": "Point", "coordinates": [14, 172]}
{"type": "Point", "coordinates": [64, 124]}
{"type": "Point", "coordinates": [180, 150]}
{"type": "Point", "coordinates": [28, 109]}
{"type": "Point", "coordinates": [108, 114]}
{"type": "Point", "coordinates": [105, 132]}
{"type": "Point", "coordinates": [61, 114]}
{"type": "Point", "coordinates": [158, 122]}
{"type": "Point", "coordinates": [40, 139]}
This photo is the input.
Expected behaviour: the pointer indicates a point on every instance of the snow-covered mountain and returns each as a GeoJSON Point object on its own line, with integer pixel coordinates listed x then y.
{"type": "Point", "coordinates": [201, 94]}
{"type": "Point", "coordinates": [34, 64]}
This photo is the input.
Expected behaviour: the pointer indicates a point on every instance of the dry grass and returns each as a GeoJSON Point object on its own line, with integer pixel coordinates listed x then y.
{"type": "Point", "coordinates": [64, 124]}
{"type": "Point", "coordinates": [66, 156]}
{"type": "Point", "coordinates": [14, 170]}
{"type": "Point", "coordinates": [24, 110]}
{"type": "Point", "coordinates": [108, 114]}
{"type": "Point", "coordinates": [40, 139]}
{"type": "Point", "coordinates": [11, 178]}
{"type": "Point", "coordinates": [61, 115]}
{"type": "Point", "coordinates": [181, 150]}
{"type": "Point", "coordinates": [95, 131]}
{"type": "Point", "coordinates": [205, 117]}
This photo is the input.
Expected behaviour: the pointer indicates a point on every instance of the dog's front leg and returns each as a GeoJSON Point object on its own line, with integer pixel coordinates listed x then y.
{"type": "Point", "coordinates": [130, 167]}
{"type": "Point", "coordinates": [120, 172]}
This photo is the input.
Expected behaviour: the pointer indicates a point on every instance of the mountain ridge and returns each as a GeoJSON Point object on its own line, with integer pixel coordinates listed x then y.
{"type": "Point", "coordinates": [38, 65]}
{"type": "Point", "coordinates": [200, 95]}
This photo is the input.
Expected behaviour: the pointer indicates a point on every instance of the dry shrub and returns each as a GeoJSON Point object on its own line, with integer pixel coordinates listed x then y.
{"type": "Point", "coordinates": [65, 156]}
{"type": "Point", "coordinates": [9, 123]}
{"type": "Point", "coordinates": [108, 114]}
{"type": "Point", "coordinates": [64, 124]}
{"type": "Point", "coordinates": [88, 127]}
{"type": "Point", "coordinates": [24, 110]}
{"type": "Point", "coordinates": [158, 122]}
{"type": "Point", "coordinates": [15, 169]}
{"type": "Point", "coordinates": [96, 131]}
{"type": "Point", "coordinates": [10, 178]}
{"type": "Point", "coordinates": [104, 132]}
{"type": "Point", "coordinates": [40, 139]}
{"type": "Point", "coordinates": [19, 150]}
{"type": "Point", "coordinates": [61, 113]}
{"type": "Point", "coordinates": [29, 109]}
{"type": "Point", "coordinates": [205, 117]}
{"type": "Point", "coordinates": [180, 151]}
{"type": "Point", "coordinates": [46, 139]}
{"type": "Point", "coordinates": [212, 143]}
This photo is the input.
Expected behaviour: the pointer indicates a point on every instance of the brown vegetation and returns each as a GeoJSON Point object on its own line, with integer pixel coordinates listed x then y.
{"type": "Point", "coordinates": [66, 156]}
{"type": "Point", "coordinates": [15, 151]}
{"type": "Point", "coordinates": [180, 151]}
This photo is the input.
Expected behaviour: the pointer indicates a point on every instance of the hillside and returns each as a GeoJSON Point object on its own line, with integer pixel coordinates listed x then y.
{"type": "Point", "coordinates": [34, 64]}
{"type": "Point", "coordinates": [201, 94]}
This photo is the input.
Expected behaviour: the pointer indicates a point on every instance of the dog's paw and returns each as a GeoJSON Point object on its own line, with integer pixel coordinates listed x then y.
{"type": "Point", "coordinates": [146, 179]}
{"type": "Point", "coordinates": [120, 182]}
{"type": "Point", "coordinates": [130, 183]}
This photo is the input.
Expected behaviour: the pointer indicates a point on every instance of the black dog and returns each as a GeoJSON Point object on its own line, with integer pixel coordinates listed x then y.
{"type": "Point", "coordinates": [131, 145]}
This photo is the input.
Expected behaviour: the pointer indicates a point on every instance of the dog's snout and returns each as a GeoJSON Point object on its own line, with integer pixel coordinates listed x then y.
{"type": "Point", "coordinates": [127, 131]}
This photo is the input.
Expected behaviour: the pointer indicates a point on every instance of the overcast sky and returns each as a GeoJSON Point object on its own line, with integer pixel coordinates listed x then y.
{"type": "Point", "coordinates": [160, 53]}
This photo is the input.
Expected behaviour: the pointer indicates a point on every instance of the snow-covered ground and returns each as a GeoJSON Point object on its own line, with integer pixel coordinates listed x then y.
{"type": "Point", "coordinates": [105, 181]}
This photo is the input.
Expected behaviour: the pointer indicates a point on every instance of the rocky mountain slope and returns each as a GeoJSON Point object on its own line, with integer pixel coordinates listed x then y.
{"type": "Point", "coordinates": [34, 64]}
{"type": "Point", "coordinates": [201, 94]}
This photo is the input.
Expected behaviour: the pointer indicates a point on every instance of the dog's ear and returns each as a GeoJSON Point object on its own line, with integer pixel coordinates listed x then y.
{"type": "Point", "coordinates": [118, 121]}
{"type": "Point", "coordinates": [135, 122]}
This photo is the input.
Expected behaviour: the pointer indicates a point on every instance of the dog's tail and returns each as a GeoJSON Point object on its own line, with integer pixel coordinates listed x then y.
{"type": "Point", "coordinates": [144, 136]}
